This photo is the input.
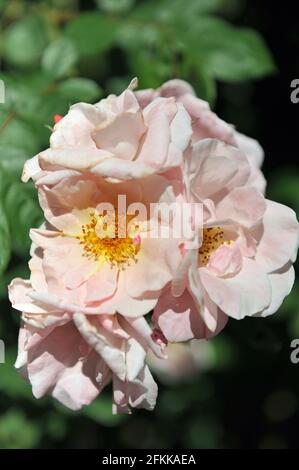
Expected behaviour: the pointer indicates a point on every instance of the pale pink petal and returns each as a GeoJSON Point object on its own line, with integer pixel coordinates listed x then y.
{"type": "Point", "coordinates": [282, 282]}
{"type": "Point", "coordinates": [158, 116]}
{"type": "Point", "coordinates": [143, 333]}
{"type": "Point", "coordinates": [109, 347]}
{"type": "Point", "coordinates": [80, 385]}
{"type": "Point", "coordinates": [179, 319]}
{"type": "Point", "coordinates": [256, 178]}
{"type": "Point", "coordinates": [54, 366]}
{"type": "Point", "coordinates": [68, 204]}
{"type": "Point", "coordinates": [251, 147]}
{"type": "Point", "coordinates": [157, 261]}
{"type": "Point", "coordinates": [206, 124]}
{"type": "Point", "coordinates": [31, 169]}
{"type": "Point", "coordinates": [215, 166]}
{"type": "Point", "coordinates": [140, 393]}
{"type": "Point", "coordinates": [277, 237]}
{"type": "Point", "coordinates": [135, 357]}
{"type": "Point", "coordinates": [73, 271]}
{"type": "Point", "coordinates": [101, 285]}
{"type": "Point", "coordinates": [50, 179]}
{"type": "Point", "coordinates": [244, 294]}
{"type": "Point", "coordinates": [121, 135]}
{"type": "Point", "coordinates": [145, 97]}
{"type": "Point", "coordinates": [176, 88]}
{"type": "Point", "coordinates": [126, 305]}
{"type": "Point", "coordinates": [118, 169]}
{"type": "Point", "coordinates": [226, 260]}
{"type": "Point", "coordinates": [73, 130]}
{"type": "Point", "coordinates": [75, 158]}
{"type": "Point", "coordinates": [246, 242]}
{"type": "Point", "coordinates": [245, 206]}
{"type": "Point", "coordinates": [37, 276]}
{"type": "Point", "coordinates": [22, 357]}
{"type": "Point", "coordinates": [19, 291]}
{"type": "Point", "coordinates": [180, 129]}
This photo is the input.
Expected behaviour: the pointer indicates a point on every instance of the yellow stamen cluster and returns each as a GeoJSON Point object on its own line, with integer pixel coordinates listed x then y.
{"type": "Point", "coordinates": [213, 238]}
{"type": "Point", "coordinates": [112, 245]}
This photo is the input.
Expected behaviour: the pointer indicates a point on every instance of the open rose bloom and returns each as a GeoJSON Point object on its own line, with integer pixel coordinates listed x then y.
{"type": "Point", "coordinates": [96, 272]}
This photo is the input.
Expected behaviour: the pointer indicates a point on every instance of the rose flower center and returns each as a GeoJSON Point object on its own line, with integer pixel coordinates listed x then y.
{"type": "Point", "coordinates": [105, 239]}
{"type": "Point", "coordinates": [213, 238]}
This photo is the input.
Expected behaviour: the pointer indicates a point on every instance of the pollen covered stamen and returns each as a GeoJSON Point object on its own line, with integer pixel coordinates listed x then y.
{"type": "Point", "coordinates": [105, 239]}
{"type": "Point", "coordinates": [213, 238]}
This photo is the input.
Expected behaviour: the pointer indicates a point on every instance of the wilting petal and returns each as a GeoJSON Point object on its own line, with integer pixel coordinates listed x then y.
{"type": "Point", "coordinates": [141, 393]}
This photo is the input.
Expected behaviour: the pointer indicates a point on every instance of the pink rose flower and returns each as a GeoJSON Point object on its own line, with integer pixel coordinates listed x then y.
{"type": "Point", "coordinates": [131, 270]}
{"type": "Point", "coordinates": [244, 264]}
{"type": "Point", "coordinates": [114, 138]}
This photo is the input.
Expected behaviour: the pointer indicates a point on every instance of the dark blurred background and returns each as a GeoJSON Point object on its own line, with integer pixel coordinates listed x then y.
{"type": "Point", "coordinates": [241, 390]}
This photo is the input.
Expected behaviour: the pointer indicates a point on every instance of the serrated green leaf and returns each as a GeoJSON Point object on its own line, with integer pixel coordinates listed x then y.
{"type": "Point", "coordinates": [59, 57]}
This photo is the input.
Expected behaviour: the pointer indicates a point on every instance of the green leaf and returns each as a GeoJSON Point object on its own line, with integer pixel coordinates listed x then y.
{"type": "Point", "coordinates": [229, 53]}
{"type": "Point", "coordinates": [24, 42]}
{"type": "Point", "coordinates": [12, 384]}
{"type": "Point", "coordinates": [59, 57]}
{"type": "Point", "coordinates": [4, 240]}
{"type": "Point", "coordinates": [2, 5]}
{"type": "Point", "coordinates": [92, 33]}
{"type": "Point", "coordinates": [12, 160]}
{"type": "Point", "coordinates": [79, 89]}
{"type": "Point", "coordinates": [178, 15]}
{"type": "Point", "coordinates": [12, 435]}
{"type": "Point", "coordinates": [115, 6]}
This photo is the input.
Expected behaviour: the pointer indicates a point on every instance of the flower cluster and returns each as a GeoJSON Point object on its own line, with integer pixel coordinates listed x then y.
{"type": "Point", "coordinates": [95, 276]}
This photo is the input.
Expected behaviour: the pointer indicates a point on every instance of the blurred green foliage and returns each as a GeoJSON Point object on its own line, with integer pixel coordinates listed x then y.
{"type": "Point", "coordinates": [58, 52]}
